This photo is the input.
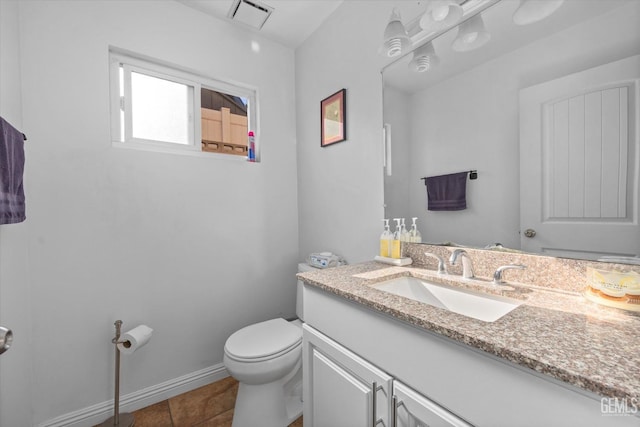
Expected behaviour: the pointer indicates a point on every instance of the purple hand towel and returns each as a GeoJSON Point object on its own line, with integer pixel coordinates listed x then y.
{"type": "Point", "coordinates": [447, 192]}
{"type": "Point", "coordinates": [12, 209]}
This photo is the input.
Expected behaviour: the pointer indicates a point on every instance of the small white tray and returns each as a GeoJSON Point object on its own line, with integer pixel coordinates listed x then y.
{"type": "Point", "coordinates": [393, 261]}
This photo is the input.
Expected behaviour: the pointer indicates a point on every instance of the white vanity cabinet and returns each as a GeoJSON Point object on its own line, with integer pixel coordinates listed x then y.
{"type": "Point", "coordinates": [339, 392]}
{"type": "Point", "coordinates": [341, 388]}
{"type": "Point", "coordinates": [437, 381]}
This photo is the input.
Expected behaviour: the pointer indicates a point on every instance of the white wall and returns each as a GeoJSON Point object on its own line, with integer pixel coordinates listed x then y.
{"type": "Point", "coordinates": [470, 121]}
{"type": "Point", "coordinates": [15, 311]}
{"type": "Point", "coordinates": [195, 247]}
{"type": "Point", "coordinates": [486, 140]}
{"type": "Point", "coordinates": [340, 187]}
{"type": "Point", "coordinates": [396, 186]}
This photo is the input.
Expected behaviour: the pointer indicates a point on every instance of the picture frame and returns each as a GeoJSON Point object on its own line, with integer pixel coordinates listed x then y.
{"type": "Point", "coordinates": [333, 118]}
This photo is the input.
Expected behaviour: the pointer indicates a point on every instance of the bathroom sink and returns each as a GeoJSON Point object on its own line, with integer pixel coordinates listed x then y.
{"type": "Point", "coordinates": [488, 308]}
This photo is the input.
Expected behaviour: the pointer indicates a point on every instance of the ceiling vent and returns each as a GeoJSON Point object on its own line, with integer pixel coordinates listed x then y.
{"type": "Point", "coordinates": [249, 12]}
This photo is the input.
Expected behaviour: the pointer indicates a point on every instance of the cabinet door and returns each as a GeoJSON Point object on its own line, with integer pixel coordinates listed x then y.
{"type": "Point", "coordinates": [414, 410]}
{"type": "Point", "coordinates": [340, 388]}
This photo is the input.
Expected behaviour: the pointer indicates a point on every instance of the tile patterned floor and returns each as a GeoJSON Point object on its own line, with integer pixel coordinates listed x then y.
{"type": "Point", "coordinates": [208, 406]}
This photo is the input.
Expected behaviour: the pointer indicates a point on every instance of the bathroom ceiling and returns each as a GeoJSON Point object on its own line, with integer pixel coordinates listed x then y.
{"type": "Point", "coordinates": [290, 23]}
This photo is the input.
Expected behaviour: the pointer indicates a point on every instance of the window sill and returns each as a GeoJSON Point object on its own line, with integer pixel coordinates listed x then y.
{"type": "Point", "coordinates": [182, 150]}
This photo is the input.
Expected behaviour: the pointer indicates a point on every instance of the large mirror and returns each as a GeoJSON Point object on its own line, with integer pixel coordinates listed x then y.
{"type": "Point", "coordinates": [546, 113]}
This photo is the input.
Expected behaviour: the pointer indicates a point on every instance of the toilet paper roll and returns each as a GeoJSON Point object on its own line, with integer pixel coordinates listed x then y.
{"type": "Point", "coordinates": [130, 341]}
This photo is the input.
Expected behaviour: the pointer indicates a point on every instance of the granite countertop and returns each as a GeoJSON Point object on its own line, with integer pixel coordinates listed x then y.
{"type": "Point", "coordinates": [554, 332]}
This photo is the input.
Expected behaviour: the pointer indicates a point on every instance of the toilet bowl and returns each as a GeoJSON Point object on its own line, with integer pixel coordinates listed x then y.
{"type": "Point", "coordinates": [263, 357]}
{"type": "Point", "coordinates": [266, 359]}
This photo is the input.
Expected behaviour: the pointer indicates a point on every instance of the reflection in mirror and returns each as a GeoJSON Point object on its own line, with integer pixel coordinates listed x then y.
{"type": "Point", "coordinates": [547, 113]}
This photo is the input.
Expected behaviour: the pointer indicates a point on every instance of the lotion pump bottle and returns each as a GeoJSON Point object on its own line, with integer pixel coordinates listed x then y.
{"type": "Point", "coordinates": [414, 234]}
{"type": "Point", "coordinates": [386, 240]}
{"type": "Point", "coordinates": [404, 234]}
{"type": "Point", "coordinates": [395, 247]}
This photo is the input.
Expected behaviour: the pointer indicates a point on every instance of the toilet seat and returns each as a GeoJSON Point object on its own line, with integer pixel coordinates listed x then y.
{"type": "Point", "coordinates": [263, 341]}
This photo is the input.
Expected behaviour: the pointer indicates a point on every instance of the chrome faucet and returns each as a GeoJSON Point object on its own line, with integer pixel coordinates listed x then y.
{"type": "Point", "coordinates": [467, 266]}
{"type": "Point", "coordinates": [497, 276]}
{"type": "Point", "coordinates": [442, 267]}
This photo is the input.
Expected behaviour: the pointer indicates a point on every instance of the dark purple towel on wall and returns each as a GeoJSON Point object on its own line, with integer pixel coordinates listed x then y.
{"type": "Point", "coordinates": [12, 208]}
{"type": "Point", "coordinates": [447, 192]}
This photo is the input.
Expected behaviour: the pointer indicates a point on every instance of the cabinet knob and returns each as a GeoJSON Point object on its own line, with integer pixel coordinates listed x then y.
{"type": "Point", "coordinates": [529, 232]}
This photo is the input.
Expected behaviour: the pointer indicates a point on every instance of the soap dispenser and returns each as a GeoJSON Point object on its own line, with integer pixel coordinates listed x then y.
{"type": "Point", "coordinates": [404, 233]}
{"type": "Point", "coordinates": [414, 234]}
{"type": "Point", "coordinates": [386, 240]}
{"type": "Point", "coordinates": [395, 246]}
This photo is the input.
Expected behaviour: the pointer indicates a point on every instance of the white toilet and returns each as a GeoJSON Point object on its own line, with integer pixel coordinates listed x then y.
{"type": "Point", "coordinates": [266, 359]}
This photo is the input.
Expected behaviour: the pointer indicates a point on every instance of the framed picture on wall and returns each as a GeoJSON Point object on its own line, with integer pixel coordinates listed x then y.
{"type": "Point", "coordinates": [333, 120]}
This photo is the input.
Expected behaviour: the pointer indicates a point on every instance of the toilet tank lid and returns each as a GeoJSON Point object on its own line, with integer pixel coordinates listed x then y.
{"type": "Point", "coordinates": [263, 339]}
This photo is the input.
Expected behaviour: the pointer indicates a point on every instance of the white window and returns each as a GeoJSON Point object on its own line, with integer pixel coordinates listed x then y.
{"type": "Point", "coordinates": [162, 108]}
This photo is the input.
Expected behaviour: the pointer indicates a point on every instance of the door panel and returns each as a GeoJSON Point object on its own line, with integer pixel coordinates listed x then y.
{"type": "Point", "coordinates": [415, 410]}
{"type": "Point", "coordinates": [579, 163]}
{"type": "Point", "coordinates": [15, 314]}
{"type": "Point", "coordinates": [15, 364]}
{"type": "Point", "coordinates": [339, 386]}
{"type": "Point", "coordinates": [346, 399]}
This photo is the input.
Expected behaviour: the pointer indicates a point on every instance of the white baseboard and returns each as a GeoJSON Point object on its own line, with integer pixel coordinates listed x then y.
{"type": "Point", "coordinates": [95, 414]}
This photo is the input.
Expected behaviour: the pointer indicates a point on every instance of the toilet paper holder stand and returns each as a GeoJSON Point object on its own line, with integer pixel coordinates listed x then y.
{"type": "Point", "coordinates": [118, 419]}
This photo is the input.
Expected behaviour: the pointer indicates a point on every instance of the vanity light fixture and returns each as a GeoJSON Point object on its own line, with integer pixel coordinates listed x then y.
{"type": "Point", "coordinates": [424, 58]}
{"type": "Point", "coordinates": [471, 35]}
{"type": "Point", "coordinates": [531, 11]}
{"type": "Point", "coordinates": [441, 14]}
{"type": "Point", "coordinates": [396, 40]}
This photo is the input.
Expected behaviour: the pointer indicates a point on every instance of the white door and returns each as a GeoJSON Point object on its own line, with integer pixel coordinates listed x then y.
{"type": "Point", "coordinates": [414, 410]}
{"type": "Point", "coordinates": [579, 163]}
{"type": "Point", "coordinates": [340, 388]}
{"type": "Point", "coordinates": [15, 363]}
{"type": "Point", "coordinates": [15, 314]}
